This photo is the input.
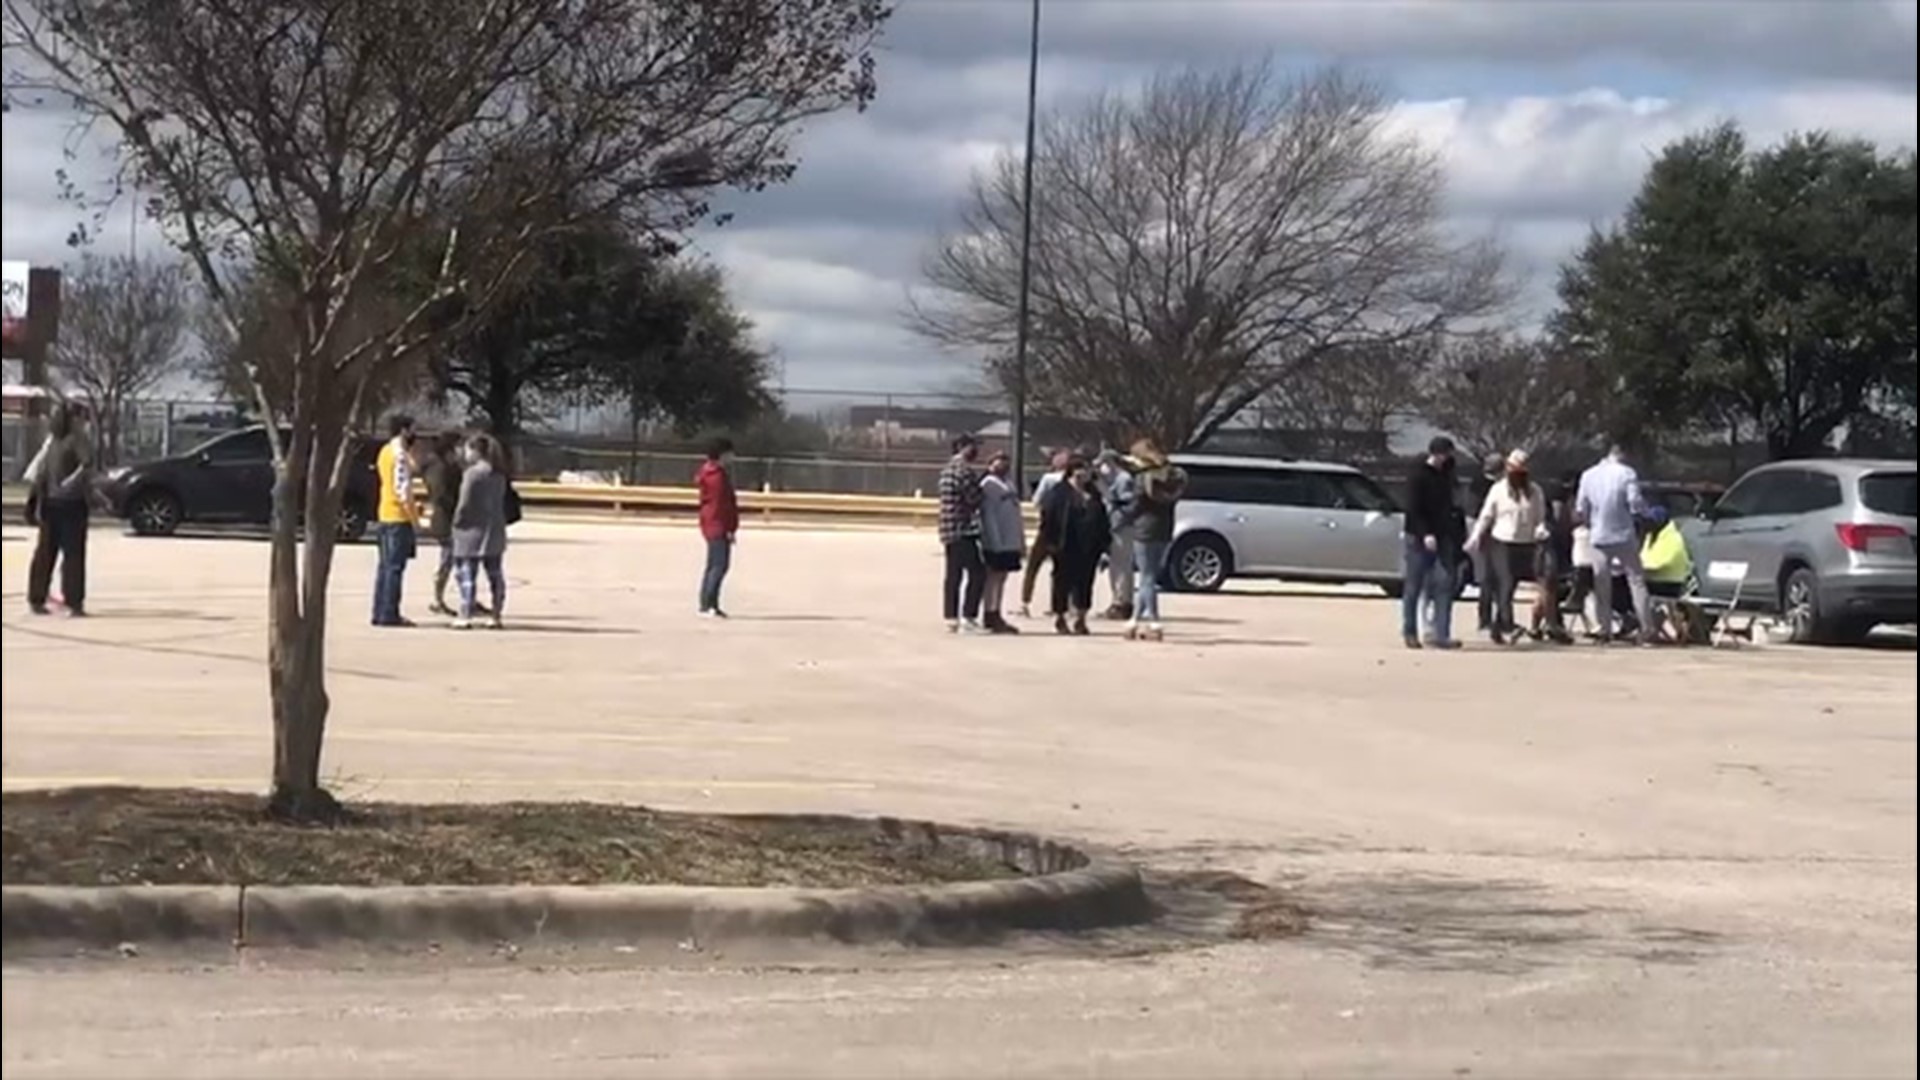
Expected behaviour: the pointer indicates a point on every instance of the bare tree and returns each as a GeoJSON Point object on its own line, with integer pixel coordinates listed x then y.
{"type": "Point", "coordinates": [1494, 393]}
{"type": "Point", "coordinates": [1197, 244]}
{"type": "Point", "coordinates": [1363, 389]}
{"type": "Point", "coordinates": [122, 327]}
{"type": "Point", "coordinates": [313, 141]}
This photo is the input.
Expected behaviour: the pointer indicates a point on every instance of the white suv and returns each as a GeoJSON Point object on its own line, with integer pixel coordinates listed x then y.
{"type": "Point", "coordinates": [1294, 520]}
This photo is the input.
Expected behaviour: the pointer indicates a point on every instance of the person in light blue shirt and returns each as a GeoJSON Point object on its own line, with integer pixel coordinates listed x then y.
{"type": "Point", "coordinates": [1610, 504]}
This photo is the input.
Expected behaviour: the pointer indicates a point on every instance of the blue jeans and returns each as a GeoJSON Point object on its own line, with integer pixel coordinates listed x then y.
{"type": "Point", "coordinates": [467, 572]}
{"type": "Point", "coordinates": [719, 561]}
{"type": "Point", "coordinates": [1426, 575]}
{"type": "Point", "coordinates": [1149, 557]}
{"type": "Point", "coordinates": [396, 547]}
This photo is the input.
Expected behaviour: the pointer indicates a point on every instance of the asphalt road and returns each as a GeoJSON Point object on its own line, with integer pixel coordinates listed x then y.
{"type": "Point", "coordinates": [1533, 863]}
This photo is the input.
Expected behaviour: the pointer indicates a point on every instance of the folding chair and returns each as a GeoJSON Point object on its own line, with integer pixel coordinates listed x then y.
{"type": "Point", "coordinates": [1724, 572]}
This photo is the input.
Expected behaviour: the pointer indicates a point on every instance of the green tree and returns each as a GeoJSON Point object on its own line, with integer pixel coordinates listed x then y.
{"type": "Point", "coordinates": [317, 142]}
{"type": "Point", "coordinates": [598, 316]}
{"type": "Point", "coordinates": [1770, 292]}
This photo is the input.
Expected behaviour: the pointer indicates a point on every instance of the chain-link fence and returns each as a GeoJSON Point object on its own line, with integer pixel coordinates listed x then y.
{"type": "Point", "coordinates": [829, 440]}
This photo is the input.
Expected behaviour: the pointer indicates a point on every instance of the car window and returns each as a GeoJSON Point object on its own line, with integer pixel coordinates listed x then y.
{"type": "Point", "coordinates": [1747, 496]}
{"type": "Point", "coordinates": [1888, 493]}
{"type": "Point", "coordinates": [1350, 492]}
{"type": "Point", "coordinates": [1257, 487]}
{"type": "Point", "coordinates": [240, 446]}
{"type": "Point", "coordinates": [1811, 492]}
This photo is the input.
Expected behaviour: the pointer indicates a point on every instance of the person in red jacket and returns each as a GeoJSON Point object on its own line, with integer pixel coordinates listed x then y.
{"type": "Point", "coordinates": [719, 520]}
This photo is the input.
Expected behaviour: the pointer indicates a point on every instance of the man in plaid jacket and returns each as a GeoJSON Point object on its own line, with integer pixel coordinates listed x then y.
{"type": "Point", "coordinates": [966, 576]}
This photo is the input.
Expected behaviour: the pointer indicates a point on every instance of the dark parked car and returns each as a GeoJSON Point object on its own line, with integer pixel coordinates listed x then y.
{"type": "Point", "coordinates": [227, 480]}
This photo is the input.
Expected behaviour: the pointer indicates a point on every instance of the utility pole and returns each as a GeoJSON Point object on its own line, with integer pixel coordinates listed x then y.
{"type": "Point", "coordinates": [1019, 423]}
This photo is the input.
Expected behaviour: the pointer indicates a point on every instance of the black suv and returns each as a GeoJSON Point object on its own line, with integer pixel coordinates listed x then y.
{"type": "Point", "coordinates": [227, 480]}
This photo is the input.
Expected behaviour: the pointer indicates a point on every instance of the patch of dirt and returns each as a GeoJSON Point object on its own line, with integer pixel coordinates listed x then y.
{"type": "Point", "coordinates": [164, 836]}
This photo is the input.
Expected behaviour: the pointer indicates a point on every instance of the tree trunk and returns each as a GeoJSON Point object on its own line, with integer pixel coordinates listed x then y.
{"type": "Point", "coordinates": [297, 615]}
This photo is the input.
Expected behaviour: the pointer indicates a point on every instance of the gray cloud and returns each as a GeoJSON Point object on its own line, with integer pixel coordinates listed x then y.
{"type": "Point", "coordinates": [1870, 40]}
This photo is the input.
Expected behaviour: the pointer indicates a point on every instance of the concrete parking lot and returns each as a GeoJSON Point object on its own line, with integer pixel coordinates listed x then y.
{"type": "Point", "coordinates": [1524, 863]}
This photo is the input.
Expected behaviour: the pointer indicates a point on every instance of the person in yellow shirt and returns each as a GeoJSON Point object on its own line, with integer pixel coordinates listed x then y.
{"type": "Point", "coordinates": [1664, 553]}
{"type": "Point", "coordinates": [398, 519]}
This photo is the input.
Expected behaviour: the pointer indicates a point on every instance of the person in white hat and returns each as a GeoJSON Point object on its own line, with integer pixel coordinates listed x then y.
{"type": "Point", "coordinates": [1512, 521]}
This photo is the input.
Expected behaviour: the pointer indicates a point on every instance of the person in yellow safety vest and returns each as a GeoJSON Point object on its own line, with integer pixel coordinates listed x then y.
{"type": "Point", "coordinates": [1664, 554]}
{"type": "Point", "coordinates": [398, 519]}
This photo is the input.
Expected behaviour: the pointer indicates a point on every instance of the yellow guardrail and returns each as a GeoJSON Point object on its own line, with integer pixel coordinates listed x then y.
{"type": "Point", "coordinates": [904, 509]}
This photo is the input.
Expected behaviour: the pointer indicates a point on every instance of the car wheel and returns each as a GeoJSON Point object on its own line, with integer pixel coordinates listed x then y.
{"type": "Point", "coordinates": [1201, 564]}
{"type": "Point", "coordinates": [352, 524]}
{"type": "Point", "coordinates": [1800, 606]}
{"type": "Point", "coordinates": [154, 513]}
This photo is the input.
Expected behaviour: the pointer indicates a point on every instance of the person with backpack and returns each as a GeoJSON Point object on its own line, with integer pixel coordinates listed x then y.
{"type": "Point", "coordinates": [480, 531]}
{"type": "Point", "coordinates": [1158, 486]}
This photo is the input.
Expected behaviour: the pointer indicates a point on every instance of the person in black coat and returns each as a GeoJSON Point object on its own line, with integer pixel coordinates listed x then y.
{"type": "Point", "coordinates": [1075, 526]}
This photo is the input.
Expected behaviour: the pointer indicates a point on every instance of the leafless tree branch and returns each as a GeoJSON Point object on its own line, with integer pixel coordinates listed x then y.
{"type": "Point", "coordinates": [1198, 243]}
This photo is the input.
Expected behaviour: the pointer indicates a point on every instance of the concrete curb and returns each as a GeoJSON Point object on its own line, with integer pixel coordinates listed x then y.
{"type": "Point", "coordinates": [1068, 892]}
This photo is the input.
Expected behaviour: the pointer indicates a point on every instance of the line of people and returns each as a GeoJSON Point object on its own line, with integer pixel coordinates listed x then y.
{"type": "Point", "coordinates": [1595, 533]}
{"type": "Point", "coordinates": [1111, 507]}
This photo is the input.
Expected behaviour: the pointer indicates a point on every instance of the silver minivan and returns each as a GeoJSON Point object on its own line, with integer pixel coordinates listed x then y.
{"type": "Point", "coordinates": [1828, 544]}
{"type": "Point", "coordinates": [1294, 520]}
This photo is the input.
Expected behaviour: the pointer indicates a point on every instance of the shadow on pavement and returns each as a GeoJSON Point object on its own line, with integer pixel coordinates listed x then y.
{"type": "Point", "coordinates": [1414, 921]}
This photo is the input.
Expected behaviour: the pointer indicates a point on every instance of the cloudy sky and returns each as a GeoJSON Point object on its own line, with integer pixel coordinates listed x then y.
{"type": "Point", "coordinates": [1546, 112]}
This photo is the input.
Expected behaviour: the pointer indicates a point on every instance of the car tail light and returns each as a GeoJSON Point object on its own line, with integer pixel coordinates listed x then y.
{"type": "Point", "coordinates": [1863, 538]}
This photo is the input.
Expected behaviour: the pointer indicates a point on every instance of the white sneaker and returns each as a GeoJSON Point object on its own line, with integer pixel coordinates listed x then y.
{"type": "Point", "coordinates": [972, 626]}
{"type": "Point", "coordinates": [461, 624]}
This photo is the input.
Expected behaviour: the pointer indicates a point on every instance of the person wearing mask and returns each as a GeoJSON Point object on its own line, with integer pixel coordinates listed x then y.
{"type": "Point", "coordinates": [1077, 529]}
{"type": "Point", "coordinates": [1158, 487]}
{"type": "Point", "coordinates": [480, 531]}
{"type": "Point", "coordinates": [1038, 554]}
{"type": "Point", "coordinates": [965, 582]}
{"type": "Point", "coordinates": [1002, 539]}
{"type": "Point", "coordinates": [1610, 502]}
{"type": "Point", "coordinates": [1117, 490]}
{"type": "Point", "coordinates": [441, 473]}
{"type": "Point", "coordinates": [1430, 547]}
{"type": "Point", "coordinates": [1493, 468]}
{"type": "Point", "coordinates": [1512, 521]}
{"type": "Point", "coordinates": [719, 523]}
{"type": "Point", "coordinates": [60, 506]}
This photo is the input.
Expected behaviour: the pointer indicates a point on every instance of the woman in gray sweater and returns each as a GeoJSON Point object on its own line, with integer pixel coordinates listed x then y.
{"type": "Point", "coordinates": [480, 530]}
{"type": "Point", "coordinates": [1002, 539]}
